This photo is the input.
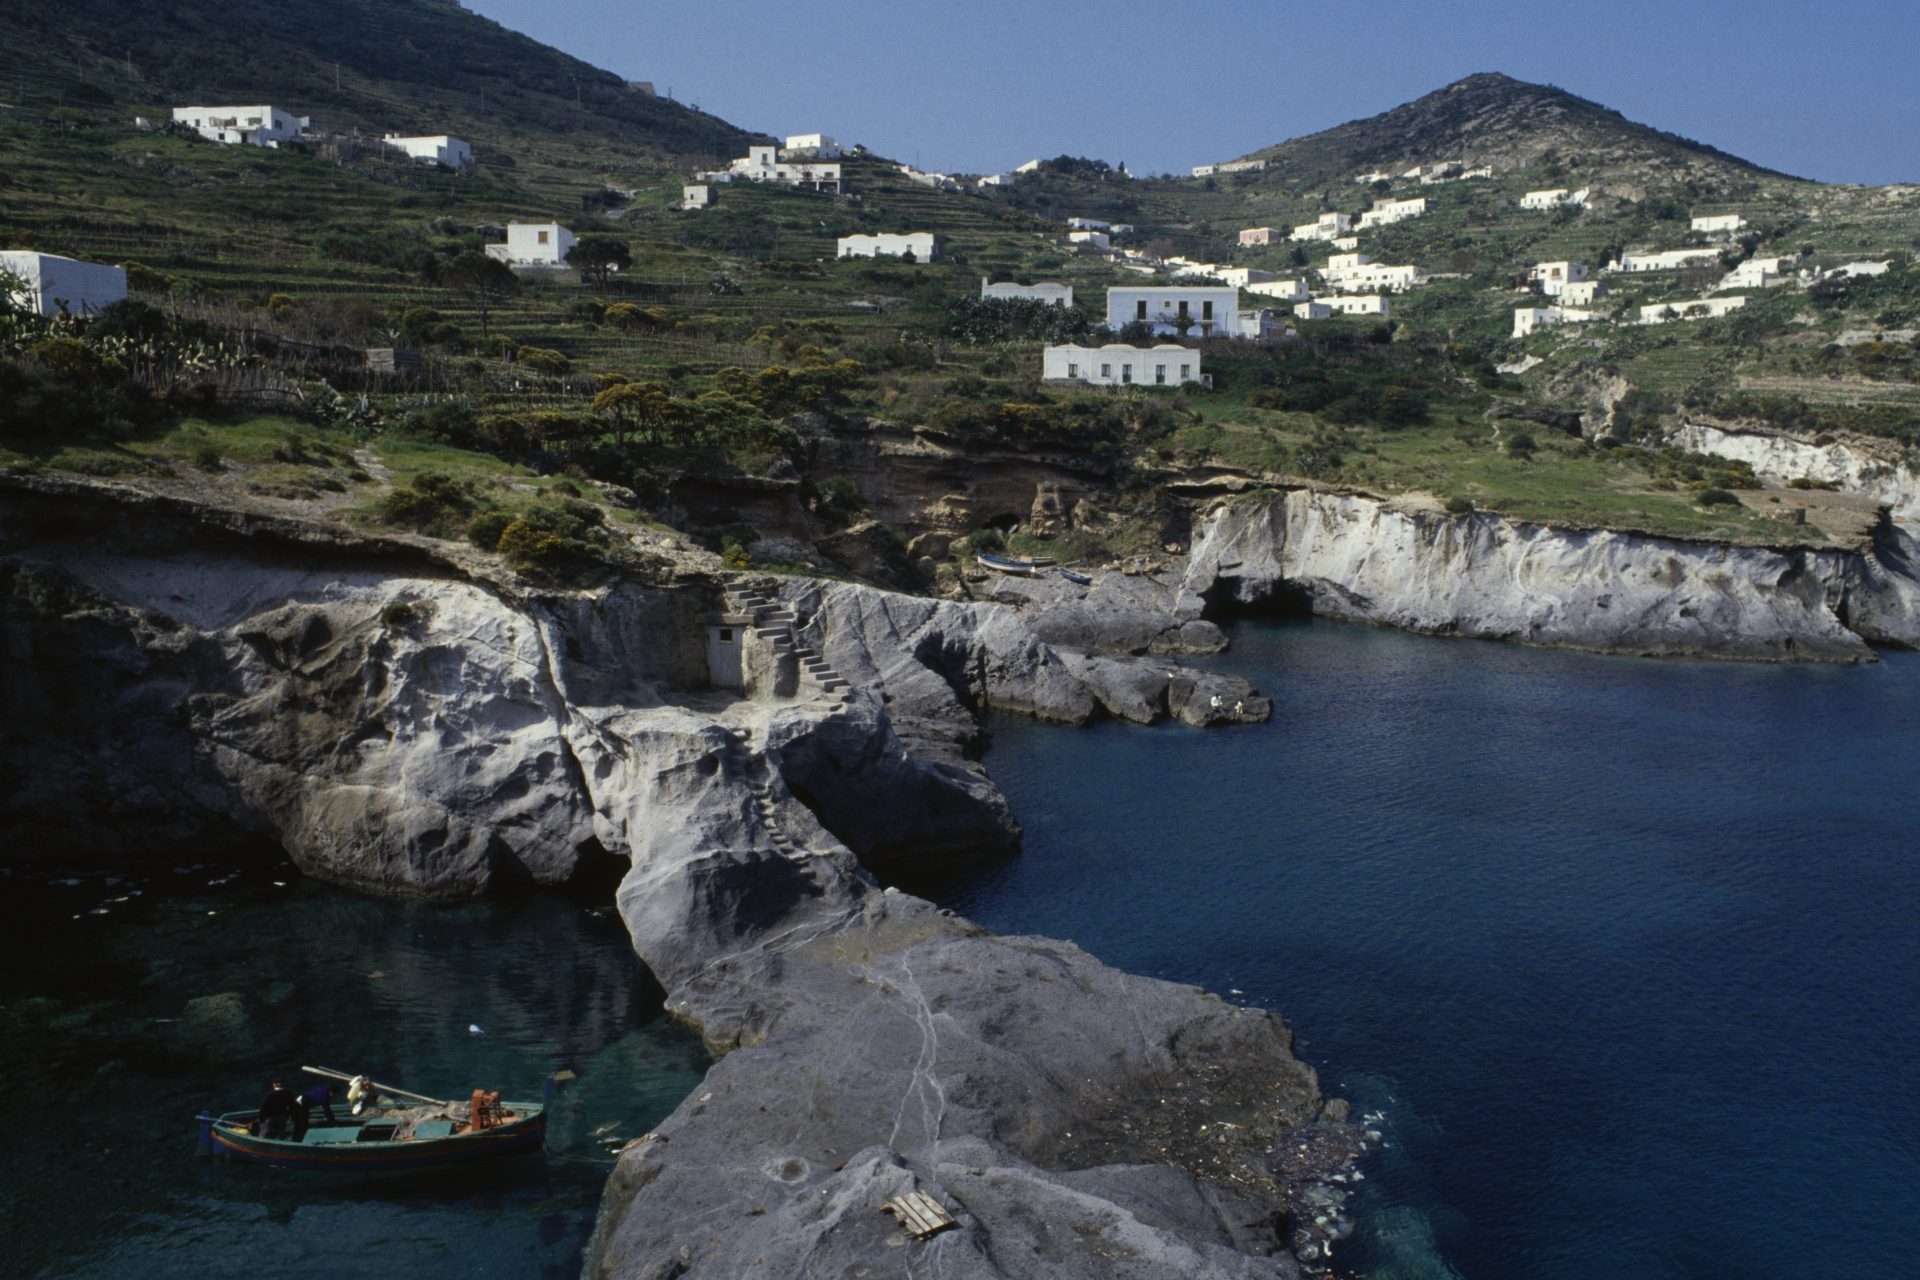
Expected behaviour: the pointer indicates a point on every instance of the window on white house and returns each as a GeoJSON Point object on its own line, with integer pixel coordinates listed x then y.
{"type": "Point", "coordinates": [1186, 372]}
{"type": "Point", "coordinates": [1073, 371]}
{"type": "Point", "coordinates": [1160, 374]}
{"type": "Point", "coordinates": [543, 237]}
{"type": "Point", "coordinates": [1106, 371]}
{"type": "Point", "coordinates": [1140, 310]}
{"type": "Point", "coordinates": [1206, 310]}
{"type": "Point", "coordinates": [1126, 373]}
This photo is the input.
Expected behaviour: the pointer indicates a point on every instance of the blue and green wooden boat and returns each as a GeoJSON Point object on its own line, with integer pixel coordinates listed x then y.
{"type": "Point", "coordinates": [386, 1136]}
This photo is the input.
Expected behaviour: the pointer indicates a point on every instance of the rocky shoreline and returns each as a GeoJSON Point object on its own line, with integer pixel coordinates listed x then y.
{"type": "Point", "coordinates": [403, 717]}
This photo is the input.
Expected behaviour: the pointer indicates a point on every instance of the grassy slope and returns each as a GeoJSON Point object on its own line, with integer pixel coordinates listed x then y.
{"type": "Point", "coordinates": [247, 224]}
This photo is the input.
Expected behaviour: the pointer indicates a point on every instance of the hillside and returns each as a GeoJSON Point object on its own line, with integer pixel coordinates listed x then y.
{"type": "Point", "coordinates": [411, 65]}
{"type": "Point", "coordinates": [1494, 119]}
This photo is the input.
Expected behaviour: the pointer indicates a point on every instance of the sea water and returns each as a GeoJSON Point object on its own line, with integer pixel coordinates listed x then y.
{"type": "Point", "coordinates": [1624, 951]}
{"type": "Point", "coordinates": [129, 1002]}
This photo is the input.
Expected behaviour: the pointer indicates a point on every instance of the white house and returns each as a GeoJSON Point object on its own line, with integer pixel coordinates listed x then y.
{"type": "Point", "coordinates": [1121, 228]}
{"type": "Point", "coordinates": [442, 149]}
{"type": "Point", "coordinates": [1284, 290]}
{"type": "Point", "coordinates": [1527, 319]}
{"type": "Point", "coordinates": [1346, 244]}
{"type": "Point", "coordinates": [1259, 235]}
{"type": "Point", "coordinates": [533, 244]}
{"type": "Point", "coordinates": [1031, 166]}
{"type": "Point", "coordinates": [1376, 176]}
{"type": "Point", "coordinates": [1060, 295]}
{"type": "Point", "coordinates": [1241, 166]}
{"type": "Point", "coordinates": [762, 163]}
{"type": "Point", "coordinates": [938, 181]}
{"type": "Point", "coordinates": [995, 180]}
{"type": "Point", "coordinates": [919, 245]}
{"type": "Point", "coordinates": [1240, 276]}
{"type": "Point", "coordinates": [1097, 239]}
{"type": "Point", "coordinates": [1359, 305]}
{"type": "Point", "coordinates": [1385, 212]}
{"type": "Point", "coordinates": [261, 126]}
{"type": "Point", "coordinates": [51, 285]}
{"type": "Point", "coordinates": [1313, 311]}
{"type": "Point", "coordinates": [1205, 170]}
{"type": "Point", "coordinates": [1553, 277]}
{"type": "Point", "coordinates": [696, 196]}
{"type": "Point", "coordinates": [1120, 365]}
{"type": "Point", "coordinates": [1205, 311]}
{"type": "Point", "coordinates": [1713, 223]}
{"type": "Point", "coordinates": [1260, 325]}
{"type": "Point", "coordinates": [1555, 198]}
{"type": "Point", "coordinates": [1690, 309]}
{"type": "Point", "coordinates": [1667, 260]}
{"type": "Point", "coordinates": [1088, 224]}
{"type": "Point", "coordinates": [1325, 227]}
{"type": "Point", "coordinates": [1849, 270]}
{"type": "Point", "coordinates": [1759, 273]}
{"type": "Point", "coordinates": [1356, 270]}
{"type": "Point", "coordinates": [1581, 293]}
{"type": "Point", "coordinates": [1438, 171]}
{"type": "Point", "coordinates": [817, 145]}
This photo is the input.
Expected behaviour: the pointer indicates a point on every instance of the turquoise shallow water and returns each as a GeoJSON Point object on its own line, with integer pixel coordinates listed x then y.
{"type": "Point", "coordinates": [115, 1029]}
{"type": "Point", "coordinates": [1625, 950]}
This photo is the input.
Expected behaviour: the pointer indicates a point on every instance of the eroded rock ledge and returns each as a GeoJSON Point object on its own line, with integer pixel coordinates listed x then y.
{"type": "Point", "coordinates": [399, 724]}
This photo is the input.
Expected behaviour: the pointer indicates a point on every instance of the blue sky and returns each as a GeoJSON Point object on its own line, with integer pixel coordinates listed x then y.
{"type": "Point", "coordinates": [1825, 90]}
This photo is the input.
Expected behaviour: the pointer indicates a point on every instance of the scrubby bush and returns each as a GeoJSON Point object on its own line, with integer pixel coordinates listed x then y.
{"type": "Point", "coordinates": [1716, 498]}
{"type": "Point", "coordinates": [1459, 506]}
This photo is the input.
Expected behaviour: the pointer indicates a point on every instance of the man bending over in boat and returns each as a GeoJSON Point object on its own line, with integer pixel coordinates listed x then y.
{"type": "Point", "coordinates": [275, 1111]}
{"type": "Point", "coordinates": [321, 1096]}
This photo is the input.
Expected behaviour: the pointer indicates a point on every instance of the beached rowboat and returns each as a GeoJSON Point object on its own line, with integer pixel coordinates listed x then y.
{"type": "Point", "coordinates": [1027, 568]}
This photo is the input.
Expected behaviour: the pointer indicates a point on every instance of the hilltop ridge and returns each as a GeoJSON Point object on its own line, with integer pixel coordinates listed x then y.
{"type": "Point", "coordinates": [1492, 118]}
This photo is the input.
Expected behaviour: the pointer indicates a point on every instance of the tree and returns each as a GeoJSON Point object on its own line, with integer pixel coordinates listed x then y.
{"type": "Point", "coordinates": [637, 408]}
{"type": "Point", "coordinates": [598, 257]}
{"type": "Point", "coordinates": [484, 282]}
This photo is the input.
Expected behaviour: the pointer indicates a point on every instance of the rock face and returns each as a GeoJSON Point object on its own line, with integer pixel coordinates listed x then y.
{"type": "Point", "coordinates": [1875, 468]}
{"type": "Point", "coordinates": [1359, 558]}
{"type": "Point", "coordinates": [401, 726]}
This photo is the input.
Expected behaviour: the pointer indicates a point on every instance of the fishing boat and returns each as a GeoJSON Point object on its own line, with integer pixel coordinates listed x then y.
{"type": "Point", "coordinates": [1025, 568]}
{"type": "Point", "coordinates": [382, 1134]}
{"type": "Point", "coordinates": [1077, 579]}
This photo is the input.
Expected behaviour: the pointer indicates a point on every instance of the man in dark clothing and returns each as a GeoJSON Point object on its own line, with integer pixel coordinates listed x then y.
{"type": "Point", "coordinates": [321, 1096]}
{"type": "Point", "coordinates": [275, 1111]}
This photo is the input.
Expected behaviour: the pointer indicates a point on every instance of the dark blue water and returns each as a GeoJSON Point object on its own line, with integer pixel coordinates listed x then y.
{"type": "Point", "coordinates": [1625, 950]}
{"type": "Point", "coordinates": [116, 1028]}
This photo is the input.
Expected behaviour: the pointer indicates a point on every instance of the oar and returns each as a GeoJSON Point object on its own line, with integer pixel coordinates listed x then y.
{"type": "Point", "coordinates": [375, 1084]}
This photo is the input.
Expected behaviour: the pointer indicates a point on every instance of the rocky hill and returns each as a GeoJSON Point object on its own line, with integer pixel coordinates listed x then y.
{"type": "Point", "coordinates": [1493, 119]}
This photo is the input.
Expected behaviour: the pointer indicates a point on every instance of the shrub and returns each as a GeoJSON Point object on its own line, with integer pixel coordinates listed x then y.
{"type": "Point", "coordinates": [397, 614]}
{"type": "Point", "coordinates": [543, 360]}
{"type": "Point", "coordinates": [1716, 498]}
{"type": "Point", "coordinates": [1460, 506]}
{"type": "Point", "coordinates": [484, 530]}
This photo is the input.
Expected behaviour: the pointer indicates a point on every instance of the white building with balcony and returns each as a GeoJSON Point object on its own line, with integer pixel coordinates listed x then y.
{"type": "Point", "coordinates": [1119, 365]}
{"type": "Point", "coordinates": [1553, 277]}
{"type": "Point", "coordinates": [1186, 311]}
{"type": "Point", "coordinates": [1326, 227]}
{"type": "Point", "coordinates": [261, 126]}
{"type": "Point", "coordinates": [533, 244]}
{"type": "Point", "coordinates": [1060, 295]}
{"type": "Point", "coordinates": [50, 285]}
{"type": "Point", "coordinates": [917, 246]}
{"type": "Point", "coordinates": [442, 149]}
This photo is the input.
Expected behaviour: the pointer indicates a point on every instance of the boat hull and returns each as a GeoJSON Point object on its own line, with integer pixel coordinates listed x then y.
{"type": "Point", "coordinates": [518, 1137]}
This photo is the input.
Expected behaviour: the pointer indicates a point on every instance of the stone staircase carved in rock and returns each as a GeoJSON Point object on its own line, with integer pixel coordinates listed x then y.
{"type": "Point", "coordinates": [759, 774]}
{"type": "Point", "coordinates": [777, 623]}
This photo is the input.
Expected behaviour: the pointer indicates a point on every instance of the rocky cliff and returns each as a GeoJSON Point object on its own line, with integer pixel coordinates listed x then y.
{"type": "Point", "coordinates": [1874, 468]}
{"type": "Point", "coordinates": [400, 721]}
{"type": "Point", "coordinates": [1369, 560]}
